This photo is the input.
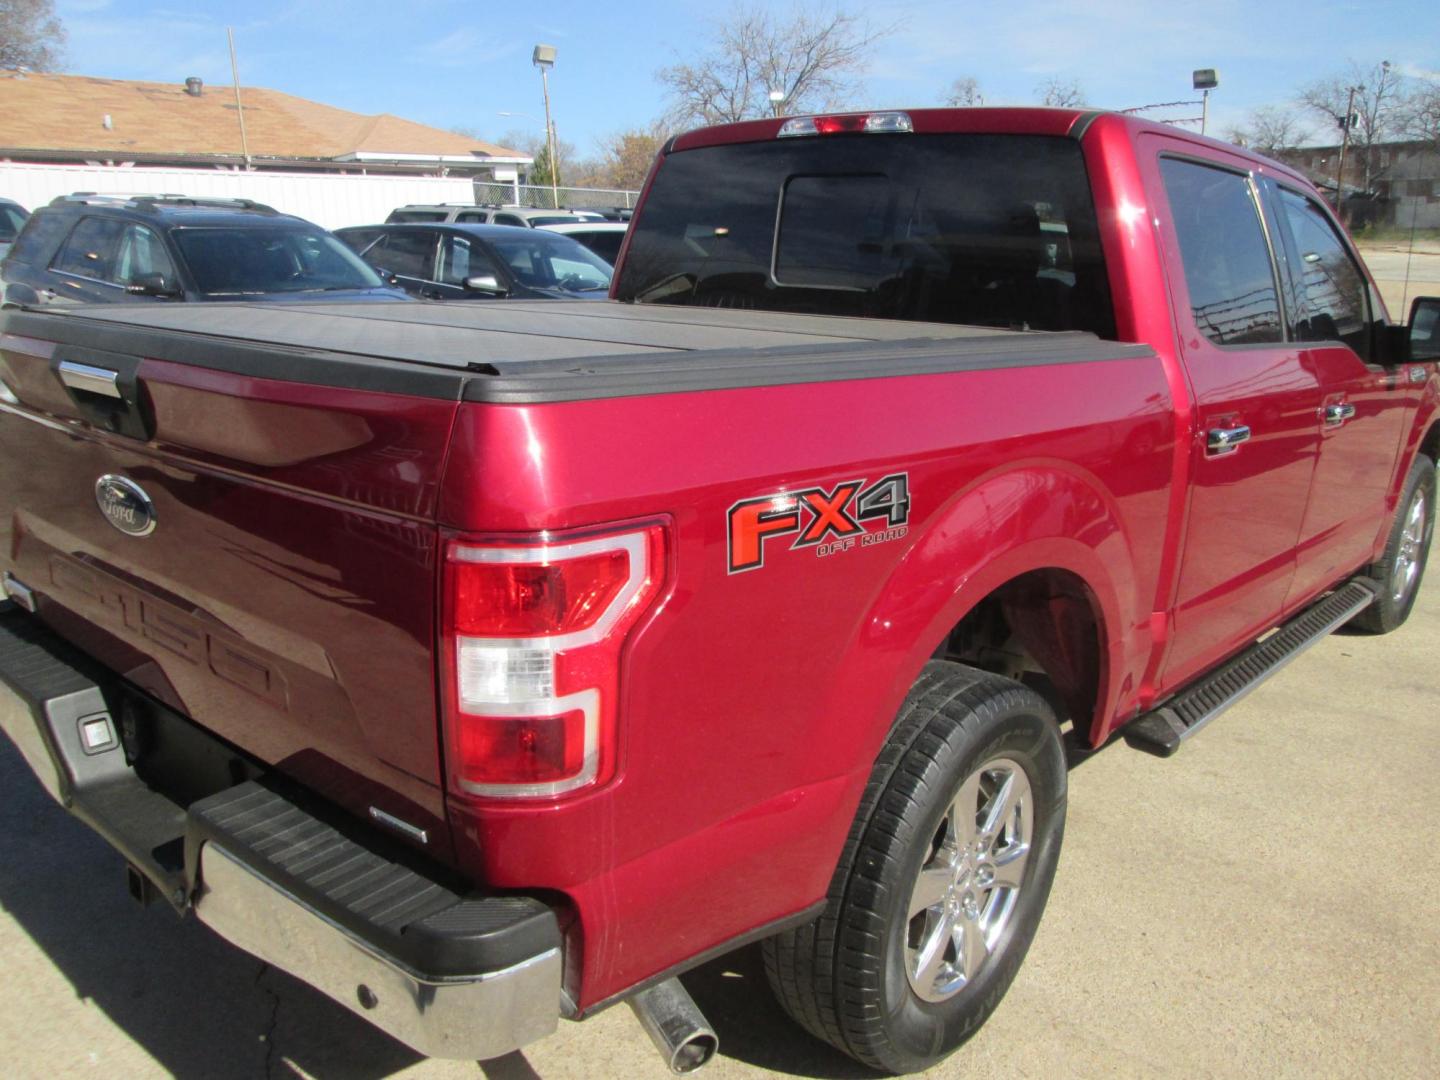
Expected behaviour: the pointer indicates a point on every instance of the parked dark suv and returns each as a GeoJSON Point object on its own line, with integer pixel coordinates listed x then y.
{"type": "Point", "coordinates": [96, 248]}
{"type": "Point", "coordinates": [473, 262]}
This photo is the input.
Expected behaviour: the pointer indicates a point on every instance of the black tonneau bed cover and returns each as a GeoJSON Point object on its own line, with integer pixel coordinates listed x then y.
{"type": "Point", "coordinates": [526, 351]}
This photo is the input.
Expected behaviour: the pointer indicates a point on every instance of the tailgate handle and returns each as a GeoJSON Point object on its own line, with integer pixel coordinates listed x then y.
{"type": "Point", "coordinates": [94, 380]}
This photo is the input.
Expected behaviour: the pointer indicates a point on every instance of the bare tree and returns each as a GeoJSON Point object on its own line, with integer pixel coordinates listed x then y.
{"type": "Point", "coordinates": [1379, 93]}
{"type": "Point", "coordinates": [1420, 113]}
{"type": "Point", "coordinates": [811, 56]}
{"type": "Point", "coordinates": [1060, 93]}
{"type": "Point", "coordinates": [31, 35]}
{"type": "Point", "coordinates": [965, 91]}
{"type": "Point", "coordinates": [1270, 129]}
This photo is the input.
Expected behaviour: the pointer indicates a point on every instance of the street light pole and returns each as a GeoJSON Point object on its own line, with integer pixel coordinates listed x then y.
{"type": "Point", "coordinates": [1204, 80]}
{"type": "Point", "coordinates": [544, 59]}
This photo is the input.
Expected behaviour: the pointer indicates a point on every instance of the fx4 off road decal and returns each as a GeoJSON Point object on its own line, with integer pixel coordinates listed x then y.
{"type": "Point", "coordinates": [849, 516]}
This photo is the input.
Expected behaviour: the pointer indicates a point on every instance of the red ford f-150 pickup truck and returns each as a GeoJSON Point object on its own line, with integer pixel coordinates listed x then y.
{"type": "Point", "coordinates": [484, 665]}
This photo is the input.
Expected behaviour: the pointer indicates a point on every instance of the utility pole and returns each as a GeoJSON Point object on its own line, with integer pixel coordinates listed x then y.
{"type": "Point", "coordinates": [1344, 145]}
{"type": "Point", "coordinates": [239, 109]}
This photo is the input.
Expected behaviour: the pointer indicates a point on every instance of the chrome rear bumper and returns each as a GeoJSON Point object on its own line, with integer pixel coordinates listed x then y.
{"type": "Point", "coordinates": [449, 974]}
{"type": "Point", "coordinates": [471, 1019]}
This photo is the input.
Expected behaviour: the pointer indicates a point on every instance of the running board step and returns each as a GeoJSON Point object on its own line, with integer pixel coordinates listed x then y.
{"type": "Point", "coordinates": [1161, 731]}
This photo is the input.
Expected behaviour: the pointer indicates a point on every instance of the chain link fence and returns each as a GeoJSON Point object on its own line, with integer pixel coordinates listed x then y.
{"type": "Point", "coordinates": [542, 198]}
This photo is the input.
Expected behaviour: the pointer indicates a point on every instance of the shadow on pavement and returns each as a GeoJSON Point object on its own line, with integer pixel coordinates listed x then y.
{"type": "Point", "coordinates": [197, 1005]}
{"type": "Point", "coordinates": [735, 997]}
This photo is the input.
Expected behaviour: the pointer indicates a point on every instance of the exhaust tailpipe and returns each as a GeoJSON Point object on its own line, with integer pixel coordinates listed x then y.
{"type": "Point", "coordinates": [676, 1026]}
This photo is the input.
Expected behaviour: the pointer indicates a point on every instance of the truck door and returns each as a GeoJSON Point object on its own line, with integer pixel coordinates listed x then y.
{"type": "Point", "coordinates": [1255, 432]}
{"type": "Point", "coordinates": [1363, 406]}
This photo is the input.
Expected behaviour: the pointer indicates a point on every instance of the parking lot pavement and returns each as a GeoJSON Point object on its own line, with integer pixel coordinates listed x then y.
{"type": "Point", "coordinates": [1264, 903]}
{"type": "Point", "coordinates": [1402, 274]}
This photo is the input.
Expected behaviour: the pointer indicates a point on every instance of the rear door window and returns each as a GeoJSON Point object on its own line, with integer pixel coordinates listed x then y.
{"type": "Point", "coordinates": [1228, 269]}
{"type": "Point", "coordinates": [91, 248]}
{"type": "Point", "coordinates": [406, 254]}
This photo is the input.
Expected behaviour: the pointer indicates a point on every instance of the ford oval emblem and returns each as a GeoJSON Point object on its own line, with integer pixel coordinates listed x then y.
{"type": "Point", "coordinates": [125, 504]}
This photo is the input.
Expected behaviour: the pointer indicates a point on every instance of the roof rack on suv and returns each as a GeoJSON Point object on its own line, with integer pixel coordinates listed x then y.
{"type": "Point", "coordinates": [92, 198]}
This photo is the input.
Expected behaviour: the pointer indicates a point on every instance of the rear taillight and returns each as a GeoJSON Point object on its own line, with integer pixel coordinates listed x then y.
{"type": "Point", "coordinates": [876, 123]}
{"type": "Point", "coordinates": [532, 637]}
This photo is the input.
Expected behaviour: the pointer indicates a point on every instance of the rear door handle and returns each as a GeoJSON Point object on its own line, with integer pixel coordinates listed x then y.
{"type": "Point", "coordinates": [1222, 441]}
{"type": "Point", "coordinates": [1338, 412]}
{"type": "Point", "coordinates": [95, 380]}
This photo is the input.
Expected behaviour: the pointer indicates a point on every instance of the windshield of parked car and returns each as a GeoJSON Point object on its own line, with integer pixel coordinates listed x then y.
{"type": "Point", "coordinates": [991, 230]}
{"type": "Point", "coordinates": [283, 259]}
{"type": "Point", "coordinates": [548, 261]}
{"type": "Point", "coordinates": [557, 219]}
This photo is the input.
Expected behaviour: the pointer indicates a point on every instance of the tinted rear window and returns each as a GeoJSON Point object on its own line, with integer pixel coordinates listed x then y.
{"type": "Point", "coordinates": [412, 216]}
{"type": "Point", "coordinates": [605, 244]}
{"type": "Point", "coordinates": [993, 230]}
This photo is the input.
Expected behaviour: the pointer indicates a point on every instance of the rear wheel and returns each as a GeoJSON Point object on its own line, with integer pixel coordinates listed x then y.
{"type": "Point", "coordinates": [943, 879]}
{"type": "Point", "coordinates": [1401, 568]}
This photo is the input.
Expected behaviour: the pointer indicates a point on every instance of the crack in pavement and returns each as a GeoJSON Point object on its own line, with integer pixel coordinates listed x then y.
{"type": "Point", "coordinates": [268, 1038]}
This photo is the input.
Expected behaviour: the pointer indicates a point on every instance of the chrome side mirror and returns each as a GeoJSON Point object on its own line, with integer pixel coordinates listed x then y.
{"type": "Point", "coordinates": [488, 284]}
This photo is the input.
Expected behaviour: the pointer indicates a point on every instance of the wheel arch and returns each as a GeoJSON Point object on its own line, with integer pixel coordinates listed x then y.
{"type": "Point", "coordinates": [1037, 530]}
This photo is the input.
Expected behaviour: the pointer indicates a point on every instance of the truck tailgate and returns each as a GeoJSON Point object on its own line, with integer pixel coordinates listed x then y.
{"type": "Point", "coordinates": [255, 552]}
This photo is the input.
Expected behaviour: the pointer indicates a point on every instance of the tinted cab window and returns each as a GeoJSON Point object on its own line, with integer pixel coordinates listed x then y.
{"type": "Point", "coordinates": [992, 230]}
{"type": "Point", "coordinates": [1333, 295]}
{"type": "Point", "coordinates": [1228, 271]}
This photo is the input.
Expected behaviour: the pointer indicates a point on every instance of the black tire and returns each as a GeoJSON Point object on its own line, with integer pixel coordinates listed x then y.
{"type": "Point", "coordinates": [1392, 607]}
{"type": "Point", "coordinates": [844, 977]}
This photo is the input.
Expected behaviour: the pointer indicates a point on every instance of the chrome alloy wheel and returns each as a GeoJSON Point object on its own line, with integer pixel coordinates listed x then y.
{"type": "Point", "coordinates": [1408, 555]}
{"type": "Point", "coordinates": [968, 887]}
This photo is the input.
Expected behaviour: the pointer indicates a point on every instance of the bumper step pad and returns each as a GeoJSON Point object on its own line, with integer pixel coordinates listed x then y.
{"type": "Point", "coordinates": [1161, 731]}
{"type": "Point", "coordinates": [58, 716]}
{"type": "Point", "coordinates": [425, 925]}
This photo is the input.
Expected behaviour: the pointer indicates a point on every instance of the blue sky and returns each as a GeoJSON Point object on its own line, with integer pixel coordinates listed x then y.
{"type": "Point", "coordinates": [448, 63]}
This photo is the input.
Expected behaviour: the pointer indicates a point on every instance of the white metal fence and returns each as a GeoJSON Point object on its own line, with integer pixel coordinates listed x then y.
{"type": "Point", "coordinates": [329, 199]}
